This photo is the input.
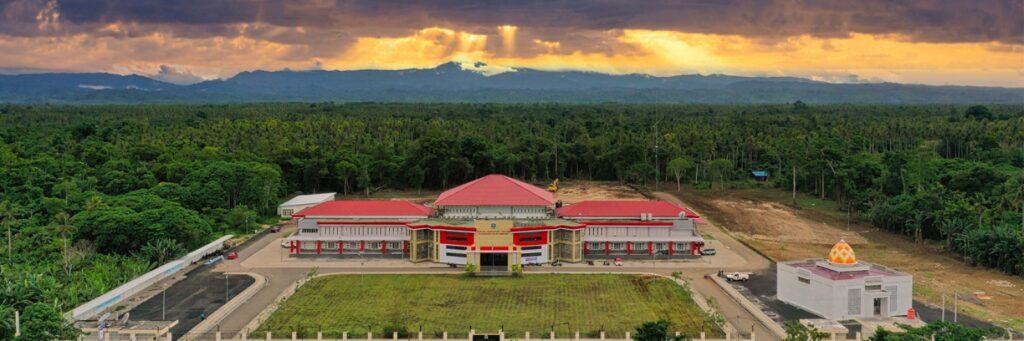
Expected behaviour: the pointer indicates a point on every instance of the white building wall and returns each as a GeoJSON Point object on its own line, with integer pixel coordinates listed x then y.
{"type": "Point", "coordinates": [450, 254]}
{"type": "Point", "coordinates": [540, 255]}
{"type": "Point", "coordinates": [831, 299]}
{"type": "Point", "coordinates": [496, 212]}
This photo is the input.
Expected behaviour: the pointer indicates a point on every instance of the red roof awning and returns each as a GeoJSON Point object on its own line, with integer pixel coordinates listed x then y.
{"type": "Point", "coordinates": [495, 190]}
{"type": "Point", "coordinates": [366, 208]}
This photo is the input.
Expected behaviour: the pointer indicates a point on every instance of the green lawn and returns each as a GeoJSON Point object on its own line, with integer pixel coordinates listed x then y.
{"type": "Point", "coordinates": [535, 303]}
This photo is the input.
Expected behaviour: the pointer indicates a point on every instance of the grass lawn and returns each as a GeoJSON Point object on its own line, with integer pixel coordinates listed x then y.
{"type": "Point", "coordinates": [534, 303]}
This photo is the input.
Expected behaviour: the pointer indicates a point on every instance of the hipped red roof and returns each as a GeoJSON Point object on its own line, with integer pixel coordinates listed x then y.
{"type": "Point", "coordinates": [495, 190]}
{"type": "Point", "coordinates": [624, 208]}
{"type": "Point", "coordinates": [366, 208]}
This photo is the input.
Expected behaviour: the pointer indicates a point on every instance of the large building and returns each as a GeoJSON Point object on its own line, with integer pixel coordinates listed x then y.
{"type": "Point", "coordinates": [496, 223]}
{"type": "Point", "coordinates": [301, 202]}
{"type": "Point", "coordinates": [841, 288]}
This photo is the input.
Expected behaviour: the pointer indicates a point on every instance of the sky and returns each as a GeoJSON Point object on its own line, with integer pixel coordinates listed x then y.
{"type": "Point", "coordinates": [938, 42]}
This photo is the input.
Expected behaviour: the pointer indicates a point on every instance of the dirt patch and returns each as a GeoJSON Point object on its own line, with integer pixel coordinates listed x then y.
{"type": "Point", "coordinates": [767, 220]}
{"type": "Point", "coordinates": [574, 191]}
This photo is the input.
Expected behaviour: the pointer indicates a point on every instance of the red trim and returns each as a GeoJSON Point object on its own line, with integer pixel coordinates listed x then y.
{"type": "Point", "coordinates": [457, 238]}
{"type": "Point", "coordinates": [547, 228]}
{"type": "Point", "coordinates": [627, 223]}
{"type": "Point", "coordinates": [362, 245]}
{"type": "Point", "coordinates": [530, 239]}
{"type": "Point", "coordinates": [650, 248]}
{"type": "Point", "coordinates": [629, 248]}
{"type": "Point", "coordinates": [607, 248]}
{"type": "Point", "coordinates": [318, 247]}
{"type": "Point", "coordinates": [494, 248]}
{"type": "Point", "coordinates": [671, 248]}
{"type": "Point", "coordinates": [341, 247]}
{"type": "Point", "coordinates": [383, 247]}
{"type": "Point", "coordinates": [441, 227]}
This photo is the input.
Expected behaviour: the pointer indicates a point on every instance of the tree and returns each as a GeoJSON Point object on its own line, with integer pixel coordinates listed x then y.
{"type": "Point", "coordinates": [8, 213]}
{"type": "Point", "coordinates": [344, 171]}
{"type": "Point", "coordinates": [796, 331]}
{"type": "Point", "coordinates": [939, 330]}
{"type": "Point", "coordinates": [719, 168]}
{"type": "Point", "coordinates": [654, 331]}
{"type": "Point", "coordinates": [678, 166]}
{"type": "Point", "coordinates": [162, 250]}
{"type": "Point", "coordinates": [979, 112]}
{"type": "Point", "coordinates": [41, 321]}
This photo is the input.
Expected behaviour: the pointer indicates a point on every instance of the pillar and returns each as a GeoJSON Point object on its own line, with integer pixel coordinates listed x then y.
{"type": "Point", "coordinates": [627, 336]}
{"type": "Point", "coordinates": [394, 335]}
{"type": "Point", "coordinates": [527, 336]}
{"type": "Point", "coordinates": [383, 247]}
{"type": "Point", "coordinates": [577, 335]}
{"type": "Point", "coordinates": [341, 247]}
{"type": "Point", "coordinates": [245, 336]}
{"type": "Point", "coordinates": [629, 248]}
{"type": "Point", "coordinates": [607, 248]}
{"type": "Point", "coordinates": [344, 336]}
{"type": "Point", "coordinates": [650, 248]}
{"type": "Point", "coordinates": [318, 247]}
{"type": "Point", "coordinates": [419, 336]}
{"type": "Point", "coordinates": [170, 336]}
{"type": "Point", "coordinates": [216, 336]}
{"type": "Point", "coordinates": [319, 335]}
{"type": "Point", "coordinates": [585, 248]}
{"type": "Point", "coordinates": [295, 336]}
{"type": "Point", "coordinates": [405, 247]}
{"type": "Point", "coordinates": [268, 336]}
{"type": "Point", "coordinates": [444, 335]}
{"type": "Point", "coordinates": [552, 335]}
{"type": "Point", "coordinates": [602, 335]}
{"type": "Point", "coordinates": [671, 248]}
{"type": "Point", "coordinates": [362, 245]}
{"type": "Point", "coordinates": [369, 335]}
{"type": "Point", "coordinates": [703, 336]}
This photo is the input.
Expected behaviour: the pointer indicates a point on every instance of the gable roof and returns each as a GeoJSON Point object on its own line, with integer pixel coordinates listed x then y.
{"type": "Point", "coordinates": [495, 190]}
{"type": "Point", "coordinates": [624, 208]}
{"type": "Point", "coordinates": [366, 208]}
{"type": "Point", "coordinates": [307, 199]}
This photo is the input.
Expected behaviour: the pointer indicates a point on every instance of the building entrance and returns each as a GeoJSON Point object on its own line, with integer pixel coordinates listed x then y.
{"type": "Point", "coordinates": [493, 262]}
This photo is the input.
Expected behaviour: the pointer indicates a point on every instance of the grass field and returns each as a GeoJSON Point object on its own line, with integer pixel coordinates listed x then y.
{"type": "Point", "coordinates": [534, 303]}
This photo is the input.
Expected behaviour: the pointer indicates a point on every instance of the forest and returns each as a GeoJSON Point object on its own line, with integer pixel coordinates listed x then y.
{"type": "Point", "coordinates": [92, 196]}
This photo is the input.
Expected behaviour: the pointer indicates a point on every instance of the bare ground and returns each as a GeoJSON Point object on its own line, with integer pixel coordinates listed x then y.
{"type": "Point", "coordinates": [574, 191]}
{"type": "Point", "coordinates": [767, 220]}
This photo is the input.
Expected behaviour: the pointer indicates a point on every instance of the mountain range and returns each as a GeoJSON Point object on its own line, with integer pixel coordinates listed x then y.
{"type": "Point", "coordinates": [453, 82]}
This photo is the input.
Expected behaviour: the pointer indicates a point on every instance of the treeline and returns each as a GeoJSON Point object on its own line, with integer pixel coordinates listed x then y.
{"type": "Point", "coordinates": [93, 195]}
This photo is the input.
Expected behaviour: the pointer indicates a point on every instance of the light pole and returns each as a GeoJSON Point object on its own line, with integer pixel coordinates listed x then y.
{"type": "Point", "coordinates": [163, 304]}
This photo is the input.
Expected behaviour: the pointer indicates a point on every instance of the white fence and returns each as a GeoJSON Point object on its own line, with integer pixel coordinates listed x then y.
{"type": "Point", "coordinates": [115, 296]}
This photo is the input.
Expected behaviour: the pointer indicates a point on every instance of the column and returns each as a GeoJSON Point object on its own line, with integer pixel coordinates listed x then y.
{"type": "Point", "coordinates": [585, 248]}
{"type": "Point", "coordinates": [671, 248]}
{"type": "Point", "coordinates": [650, 248]}
{"type": "Point", "coordinates": [629, 248]}
{"type": "Point", "coordinates": [405, 247]}
{"type": "Point", "coordinates": [384, 247]}
{"type": "Point", "coordinates": [607, 248]}
{"type": "Point", "coordinates": [318, 247]}
{"type": "Point", "coordinates": [362, 245]}
{"type": "Point", "coordinates": [341, 247]}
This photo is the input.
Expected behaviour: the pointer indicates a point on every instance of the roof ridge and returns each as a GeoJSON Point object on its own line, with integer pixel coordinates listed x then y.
{"type": "Point", "coordinates": [521, 185]}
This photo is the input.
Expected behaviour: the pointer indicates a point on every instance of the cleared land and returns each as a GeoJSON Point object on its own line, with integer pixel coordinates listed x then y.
{"type": "Point", "coordinates": [767, 220]}
{"type": "Point", "coordinates": [574, 191]}
{"type": "Point", "coordinates": [535, 303]}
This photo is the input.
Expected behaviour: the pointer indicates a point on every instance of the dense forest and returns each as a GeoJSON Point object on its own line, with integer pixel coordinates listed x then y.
{"type": "Point", "coordinates": [91, 196]}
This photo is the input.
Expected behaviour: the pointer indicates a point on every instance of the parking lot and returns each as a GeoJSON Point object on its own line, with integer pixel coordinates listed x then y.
{"type": "Point", "coordinates": [201, 293]}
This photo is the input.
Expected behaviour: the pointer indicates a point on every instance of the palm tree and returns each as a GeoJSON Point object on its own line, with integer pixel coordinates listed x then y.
{"type": "Point", "coordinates": [9, 212]}
{"type": "Point", "coordinates": [64, 228]}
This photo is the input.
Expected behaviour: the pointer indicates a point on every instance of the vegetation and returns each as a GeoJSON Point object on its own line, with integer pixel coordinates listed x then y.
{"type": "Point", "coordinates": [655, 331]}
{"type": "Point", "coordinates": [91, 196]}
{"type": "Point", "coordinates": [939, 331]}
{"type": "Point", "coordinates": [796, 331]}
{"type": "Point", "coordinates": [536, 303]}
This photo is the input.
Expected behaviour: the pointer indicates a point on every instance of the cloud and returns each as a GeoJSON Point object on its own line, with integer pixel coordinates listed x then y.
{"type": "Point", "coordinates": [176, 75]}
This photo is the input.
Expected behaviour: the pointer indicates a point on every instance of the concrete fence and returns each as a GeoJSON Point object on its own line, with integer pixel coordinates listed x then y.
{"type": "Point", "coordinates": [113, 297]}
{"type": "Point", "coordinates": [293, 336]}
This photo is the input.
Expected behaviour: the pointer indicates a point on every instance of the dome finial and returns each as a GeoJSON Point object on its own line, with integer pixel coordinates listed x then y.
{"type": "Point", "coordinates": [842, 254]}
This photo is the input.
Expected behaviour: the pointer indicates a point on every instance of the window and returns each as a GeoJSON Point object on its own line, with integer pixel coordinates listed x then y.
{"type": "Point", "coordinates": [873, 287]}
{"type": "Point", "coordinates": [309, 230]}
{"type": "Point", "coordinates": [288, 212]}
{"type": "Point", "coordinates": [452, 247]}
{"type": "Point", "coordinates": [532, 254]}
{"type": "Point", "coordinates": [453, 254]}
{"type": "Point", "coordinates": [804, 280]}
{"type": "Point", "coordinates": [531, 248]}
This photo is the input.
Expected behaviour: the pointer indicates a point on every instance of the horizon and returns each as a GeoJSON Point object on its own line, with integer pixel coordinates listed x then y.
{"type": "Point", "coordinates": [958, 43]}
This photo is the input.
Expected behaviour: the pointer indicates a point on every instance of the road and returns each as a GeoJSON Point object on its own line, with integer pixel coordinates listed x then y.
{"type": "Point", "coordinates": [265, 256]}
{"type": "Point", "coordinates": [191, 299]}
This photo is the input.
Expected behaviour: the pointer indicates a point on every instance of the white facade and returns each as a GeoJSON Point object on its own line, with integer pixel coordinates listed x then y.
{"type": "Point", "coordinates": [301, 202]}
{"type": "Point", "coordinates": [496, 212]}
{"type": "Point", "coordinates": [868, 290]}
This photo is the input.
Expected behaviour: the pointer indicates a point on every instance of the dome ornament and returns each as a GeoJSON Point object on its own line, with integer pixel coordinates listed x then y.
{"type": "Point", "coordinates": [842, 254]}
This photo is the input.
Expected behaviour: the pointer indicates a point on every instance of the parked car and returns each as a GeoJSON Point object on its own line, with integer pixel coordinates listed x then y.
{"type": "Point", "coordinates": [737, 276]}
{"type": "Point", "coordinates": [708, 252]}
{"type": "Point", "coordinates": [618, 261]}
{"type": "Point", "coordinates": [231, 255]}
{"type": "Point", "coordinates": [275, 229]}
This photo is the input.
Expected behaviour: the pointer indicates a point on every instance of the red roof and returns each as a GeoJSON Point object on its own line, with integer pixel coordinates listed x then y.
{"type": "Point", "coordinates": [366, 208]}
{"type": "Point", "coordinates": [624, 208]}
{"type": "Point", "coordinates": [495, 190]}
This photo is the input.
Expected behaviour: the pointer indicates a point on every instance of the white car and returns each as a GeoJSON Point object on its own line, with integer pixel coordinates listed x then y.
{"type": "Point", "coordinates": [737, 276]}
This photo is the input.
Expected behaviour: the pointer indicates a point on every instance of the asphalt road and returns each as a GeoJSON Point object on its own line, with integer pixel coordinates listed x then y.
{"type": "Point", "coordinates": [201, 292]}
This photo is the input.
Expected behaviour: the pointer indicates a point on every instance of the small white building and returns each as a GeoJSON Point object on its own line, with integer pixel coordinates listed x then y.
{"type": "Point", "coordinates": [840, 288]}
{"type": "Point", "coordinates": [301, 202]}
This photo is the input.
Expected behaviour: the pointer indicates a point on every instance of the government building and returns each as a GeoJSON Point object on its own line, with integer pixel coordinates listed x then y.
{"type": "Point", "coordinates": [496, 223]}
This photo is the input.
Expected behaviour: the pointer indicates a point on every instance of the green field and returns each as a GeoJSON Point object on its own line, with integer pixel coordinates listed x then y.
{"type": "Point", "coordinates": [534, 303]}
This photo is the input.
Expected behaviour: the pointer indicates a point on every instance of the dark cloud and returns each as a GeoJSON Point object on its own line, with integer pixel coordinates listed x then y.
{"type": "Point", "coordinates": [921, 20]}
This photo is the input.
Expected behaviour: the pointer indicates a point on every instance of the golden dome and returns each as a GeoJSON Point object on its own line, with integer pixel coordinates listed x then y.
{"type": "Point", "coordinates": [842, 254]}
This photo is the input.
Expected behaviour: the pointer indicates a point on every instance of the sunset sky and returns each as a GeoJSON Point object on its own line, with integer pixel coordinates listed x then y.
{"type": "Point", "coordinates": [929, 41]}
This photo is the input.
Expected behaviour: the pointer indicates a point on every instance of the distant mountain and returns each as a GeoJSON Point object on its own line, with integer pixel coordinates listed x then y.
{"type": "Point", "coordinates": [451, 82]}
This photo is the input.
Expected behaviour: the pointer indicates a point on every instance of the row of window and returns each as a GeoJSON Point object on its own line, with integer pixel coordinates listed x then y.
{"type": "Point", "coordinates": [356, 230]}
{"type": "Point", "coordinates": [353, 245]}
{"type": "Point", "coordinates": [636, 246]}
{"type": "Point", "coordinates": [627, 231]}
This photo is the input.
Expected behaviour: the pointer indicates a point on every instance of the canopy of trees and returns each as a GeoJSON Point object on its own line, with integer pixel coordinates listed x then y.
{"type": "Point", "coordinates": [91, 196]}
